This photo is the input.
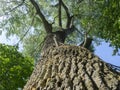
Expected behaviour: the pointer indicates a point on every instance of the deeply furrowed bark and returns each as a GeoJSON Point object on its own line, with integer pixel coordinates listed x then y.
{"type": "Point", "coordinates": [72, 68]}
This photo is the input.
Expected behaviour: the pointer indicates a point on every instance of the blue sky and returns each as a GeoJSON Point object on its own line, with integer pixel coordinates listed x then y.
{"type": "Point", "coordinates": [105, 53]}
{"type": "Point", "coordinates": [103, 50]}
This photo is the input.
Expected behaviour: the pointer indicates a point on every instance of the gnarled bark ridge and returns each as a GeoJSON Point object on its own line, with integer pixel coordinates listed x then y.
{"type": "Point", "coordinates": [72, 68]}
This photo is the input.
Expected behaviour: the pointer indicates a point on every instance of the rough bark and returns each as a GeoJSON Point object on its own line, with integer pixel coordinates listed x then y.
{"type": "Point", "coordinates": [72, 68]}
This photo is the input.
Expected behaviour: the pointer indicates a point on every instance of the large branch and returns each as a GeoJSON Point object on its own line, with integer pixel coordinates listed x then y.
{"type": "Point", "coordinates": [47, 25]}
{"type": "Point", "coordinates": [69, 17]}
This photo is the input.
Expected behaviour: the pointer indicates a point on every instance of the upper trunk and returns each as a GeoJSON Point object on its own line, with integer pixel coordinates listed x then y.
{"type": "Point", "coordinates": [53, 39]}
{"type": "Point", "coordinates": [72, 68]}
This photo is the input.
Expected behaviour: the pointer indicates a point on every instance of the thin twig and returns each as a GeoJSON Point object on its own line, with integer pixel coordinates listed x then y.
{"type": "Point", "coordinates": [79, 31]}
{"type": "Point", "coordinates": [59, 11]}
{"type": "Point", "coordinates": [54, 19]}
{"type": "Point", "coordinates": [55, 40]}
{"type": "Point", "coordinates": [27, 30]}
{"type": "Point", "coordinates": [9, 1]}
{"type": "Point", "coordinates": [15, 7]}
{"type": "Point", "coordinates": [39, 45]}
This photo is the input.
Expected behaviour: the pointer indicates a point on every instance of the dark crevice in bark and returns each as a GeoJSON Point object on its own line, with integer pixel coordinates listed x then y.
{"type": "Point", "coordinates": [93, 68]}
{"type": "Point", "coordinates": [38, 88]}
{"type": "Point", "coordinates": [101, 67]}
{"type": "Point", "coordinates": [94, 85]}
{"type": "Point", "coordinates": [59, 84]}
{"type": "Point", "coordinates": [103, 81]}
{"type": "Point", "coordinates": [83, 83]}
{"type": "Point", "coordinates": [118, 87]}
{"type": "Point", "coordinates": [76, 69]}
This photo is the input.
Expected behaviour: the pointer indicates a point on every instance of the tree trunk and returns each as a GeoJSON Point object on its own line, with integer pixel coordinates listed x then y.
{"type": "Point", "coordinates": [72, 68]}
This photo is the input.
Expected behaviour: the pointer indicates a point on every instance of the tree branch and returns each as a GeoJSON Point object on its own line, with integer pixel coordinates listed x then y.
{"type": "Point", "coordinates": [6, 13]}
{"type": "Point", "coordinates": [47, 25]}
{"type": "Point", "coordinates": [54, 19]}
{"type": "Point", "coordinates": [69, 17]}
{"type": "Point", "coordinates": [87, 42]}
{"type": "Point", "coordinates": [59, 11]}
{"type": "Point", "coordinates": [27, 30]}
{"type": "Point", "coordinates": [68, 31]}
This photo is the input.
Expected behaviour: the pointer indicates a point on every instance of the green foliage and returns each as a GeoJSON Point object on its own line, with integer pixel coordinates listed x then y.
{"type": "Point", "coordinates": [33, 44]}
{"type": "Point", "coordinates": [110, 19]}
{"type": "Point", "coordinates": [14, 68]}
{"type": "Point", "coordinates": [100, 17]}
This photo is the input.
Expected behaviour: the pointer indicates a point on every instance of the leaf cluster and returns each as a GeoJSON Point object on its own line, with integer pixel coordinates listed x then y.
{"type": "Point", "coordinates": [101, 18]}
{"type": "Point", "coordinates": [14, 68]}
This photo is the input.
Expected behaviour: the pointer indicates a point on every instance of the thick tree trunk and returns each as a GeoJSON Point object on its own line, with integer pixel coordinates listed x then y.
{"type": "Point", "coordinates": [72, 68]}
